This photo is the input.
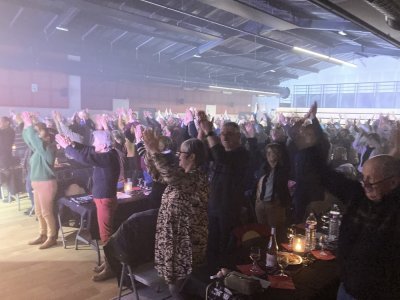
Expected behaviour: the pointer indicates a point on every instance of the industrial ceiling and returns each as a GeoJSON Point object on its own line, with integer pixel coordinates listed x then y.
{"type": "Point", "coordinates": [246, 44]}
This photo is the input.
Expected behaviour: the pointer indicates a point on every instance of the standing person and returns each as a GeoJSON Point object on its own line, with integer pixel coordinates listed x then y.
{"type": "Point", "coordinates": [105, 161]}
{"type": "Point", "coordinates": [369, 236]}
{"type": "Point", "coordinates": [43, 180]}
{"type": "Point", "coordinates": [7, 137]}
{"type": "Point", "coordinates": [272, 197]}
{"type": "Point", "coordinates": [181, 232]}
{"type": "Point", "coordinates": [231, 161]}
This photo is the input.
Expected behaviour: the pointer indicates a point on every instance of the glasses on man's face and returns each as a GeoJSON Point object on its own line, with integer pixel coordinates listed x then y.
{"type": "Point", "coordinates": [178, 153]}
{"type": "Point", "coordinates": [369, 185]}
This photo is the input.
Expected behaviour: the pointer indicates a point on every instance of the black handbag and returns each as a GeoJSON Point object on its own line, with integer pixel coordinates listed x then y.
{"type": "Point", "coordinates": [241, 283]}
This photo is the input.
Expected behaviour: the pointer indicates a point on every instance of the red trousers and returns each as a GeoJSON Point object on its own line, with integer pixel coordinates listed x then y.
{"type": "Point", "coordinates": [106, 208]}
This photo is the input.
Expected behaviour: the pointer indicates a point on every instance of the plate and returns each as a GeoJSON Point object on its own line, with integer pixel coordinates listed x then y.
{"type": "Point", "coordinates": [293, 259]}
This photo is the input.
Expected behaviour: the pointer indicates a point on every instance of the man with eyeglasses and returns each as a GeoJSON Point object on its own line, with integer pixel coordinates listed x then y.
{"type": "Point", "coordinates": [369, 240]}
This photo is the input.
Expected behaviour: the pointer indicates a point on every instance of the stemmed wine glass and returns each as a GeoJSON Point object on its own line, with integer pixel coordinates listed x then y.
{"type": "Point", "coordinates": [283, 262]}
{"type": "Point", "coordinates": [255, 255]}
{"type": "Point", "coordinates": [322, 241]}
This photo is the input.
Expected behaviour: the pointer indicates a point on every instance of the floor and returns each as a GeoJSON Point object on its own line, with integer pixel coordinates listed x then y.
{"type": "Point", "coordinates": [56, 273]}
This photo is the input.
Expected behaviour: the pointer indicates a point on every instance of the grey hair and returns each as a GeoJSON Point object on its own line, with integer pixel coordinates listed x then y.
{"type": "Point", "coordinates": [196, 147]}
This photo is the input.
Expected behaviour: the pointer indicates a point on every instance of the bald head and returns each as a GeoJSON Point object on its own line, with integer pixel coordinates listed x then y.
{"type": "Point", "coordinates": [381, 175]}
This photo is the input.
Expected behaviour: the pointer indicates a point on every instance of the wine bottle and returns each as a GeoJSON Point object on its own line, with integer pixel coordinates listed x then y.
{"type": "Point", "coordinates": [272, 251]}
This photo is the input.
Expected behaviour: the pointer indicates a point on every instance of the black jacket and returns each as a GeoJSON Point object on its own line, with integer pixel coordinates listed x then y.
{"type": "Point", "coordinates": [369, 239]}
{"type": "Point", "coordinates": [228, 182]}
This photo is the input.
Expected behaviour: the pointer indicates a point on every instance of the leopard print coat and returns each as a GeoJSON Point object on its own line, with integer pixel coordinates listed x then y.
{"type": "Point", "coordinates": [182, 225]}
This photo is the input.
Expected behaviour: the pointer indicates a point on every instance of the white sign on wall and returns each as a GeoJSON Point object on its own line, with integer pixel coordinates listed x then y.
{"type": "Point", "coordinates": [120, 103]}
{"type": "Point", "coordinates": [211, 110]}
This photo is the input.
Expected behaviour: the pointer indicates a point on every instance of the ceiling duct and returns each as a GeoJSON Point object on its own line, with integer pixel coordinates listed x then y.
{"type": "Point", "coordinates": [391, 10]}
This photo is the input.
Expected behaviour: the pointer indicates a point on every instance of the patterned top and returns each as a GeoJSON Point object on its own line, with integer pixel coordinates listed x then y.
{"type": "Point", "coordinates": [181, 233]}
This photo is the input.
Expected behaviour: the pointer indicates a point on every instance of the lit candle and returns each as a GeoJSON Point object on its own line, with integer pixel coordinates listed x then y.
{"type": "Point", "coordinates": [298, 243]}
{"type": "Point", "coordinates": [128, 187]}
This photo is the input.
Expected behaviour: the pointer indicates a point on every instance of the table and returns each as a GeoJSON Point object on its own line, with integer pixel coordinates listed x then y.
{"type": "Point", "coordinates": [88, 231]}
{"type": "Point", "coordinates": [319, 280]}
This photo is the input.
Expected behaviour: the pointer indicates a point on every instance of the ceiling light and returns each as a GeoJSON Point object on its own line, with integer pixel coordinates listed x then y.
{"type": "Point", "coordinates": [323, 56]}
{"type": "Point", "coordinates": [272, 71]}
{"type": "Point", "coordinates": [62, 28]}
{"type": "Point", "coordinates": [197, 55]}
{"type": "Point", "coordinates": [242, 90]}
{"type": "Point", "coordinates": [341, 32]}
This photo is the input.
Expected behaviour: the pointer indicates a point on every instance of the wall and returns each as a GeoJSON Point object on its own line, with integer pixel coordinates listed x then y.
{"type": "Point", "coordinates": [98, 93]}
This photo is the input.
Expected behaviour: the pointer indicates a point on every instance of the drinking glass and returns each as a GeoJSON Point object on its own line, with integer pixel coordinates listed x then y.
{"type": "Point", "coordinates": [255, 255]}
{"type": "Point", "coordinates": [322, 242]}
{"type": "Point", "coordinates": [283, 262]}
{"type": "Point", "coordinates": [140, 180]}
{"type": "Point", "coordinates": [291, 232]}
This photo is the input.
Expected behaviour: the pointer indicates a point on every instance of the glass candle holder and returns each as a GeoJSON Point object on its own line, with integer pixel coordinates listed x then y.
{"type": "Point", "coordinates": [128, 187]}
{"type": "Point", "coordinates": [299, 243]}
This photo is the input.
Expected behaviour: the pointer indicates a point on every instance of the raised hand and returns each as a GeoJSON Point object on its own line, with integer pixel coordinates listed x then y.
{"type": "Point", "coordinates": [249, 130]}
{"type": "Point", "coordinates": [26, 118]}
{"type": "Point", "coordinates": [63, 141]}
{"type": "Point", "coordinates": [151, 140]}
{"type": "Point", "coordinates": [205, 125]}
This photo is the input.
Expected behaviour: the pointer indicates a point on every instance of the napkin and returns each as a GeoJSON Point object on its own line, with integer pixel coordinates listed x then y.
{"type": "Point", "coordinates": [245, 269]}
{"type": "Point", "coordinates": [317, 254]}
{"type": "Point", "coordinates": [281, 282]}
{"type": "Point", "coordinates": [286, 246]}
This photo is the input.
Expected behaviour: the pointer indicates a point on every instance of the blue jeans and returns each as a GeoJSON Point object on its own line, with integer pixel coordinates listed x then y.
{"type": "Point", "coordinates": [342, 294]}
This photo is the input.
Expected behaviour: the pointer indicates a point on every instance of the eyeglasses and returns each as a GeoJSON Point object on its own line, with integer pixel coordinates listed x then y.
{"type": "Point", "coordinates": [180, 152]}
{"type": "Point", "coordinates": [368, 185]}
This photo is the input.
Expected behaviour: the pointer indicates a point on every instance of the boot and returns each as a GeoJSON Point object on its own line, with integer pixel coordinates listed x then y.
{"type": "Point", "coordinates": [39, 240]}
{"type": "Point", "coordinates": [51, 241]}
{"type": "Point", "coordinates": [99, 269]}
{"type": "Point", "coordinates": [107, 273]}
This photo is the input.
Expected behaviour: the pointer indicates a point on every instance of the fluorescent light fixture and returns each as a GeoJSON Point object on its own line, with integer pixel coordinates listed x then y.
{"type": "Point", "coordinates": [242, 90]}
{"type": "Point", "coordinates": [341, 32]}
{"type": "Point", "coordinates": [323, 56]}
{"type": "Point", "coordinates": [197, 55]}
{"type": "Point", "coordinates": [62, 28]}
{"type": "Point", "coordinates": [272, 71]}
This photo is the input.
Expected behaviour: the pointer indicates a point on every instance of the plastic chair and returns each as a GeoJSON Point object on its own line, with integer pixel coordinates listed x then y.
{"type": "Point", "coordinates": [130, 253]}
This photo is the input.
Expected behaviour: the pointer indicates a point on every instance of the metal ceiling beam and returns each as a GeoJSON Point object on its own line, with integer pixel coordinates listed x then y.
{"type": "Point", "coordinates": [328, 5]}
{"type": "Point", "coordinates": [233, 30]}
{"type": "Point", "coordinates": [341, 49]}
{"type": "Point", "coordinates": [116, 14]}
{"type": "Point", "coordinates": [250, 13]}
{"type": "Point", "coordinates": [217, 62]}
{"type": "Point", "coordinates": [111, 70]}
{"type": "Point", "coordinates": [199, 50]}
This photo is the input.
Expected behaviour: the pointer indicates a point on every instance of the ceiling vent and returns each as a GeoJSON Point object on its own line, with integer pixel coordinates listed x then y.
{"type": "Point", "coordinates": [391, 10]}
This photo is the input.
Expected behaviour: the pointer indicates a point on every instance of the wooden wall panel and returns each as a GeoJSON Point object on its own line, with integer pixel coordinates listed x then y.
{"type": "Point", "coordinates": [16, 88]}
{"type": "Point", "coordinates": [98, 94]}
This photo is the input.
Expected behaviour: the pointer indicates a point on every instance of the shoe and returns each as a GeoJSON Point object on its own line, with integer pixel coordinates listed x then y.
{"type": "Point", "coordinates": [103, 275]}
{"type": "Point", "coordinates": [29, 212]}
{"type": "Point", "coordinates": [51, 241]}
{"type": "Point", "coordinates": [39, 240]}
{"type": "Point", "coordinates": [99, 269]}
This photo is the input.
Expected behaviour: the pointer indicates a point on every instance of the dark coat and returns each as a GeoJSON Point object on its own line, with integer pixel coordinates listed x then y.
{"type": "Point", "coordinates": [369, 239]}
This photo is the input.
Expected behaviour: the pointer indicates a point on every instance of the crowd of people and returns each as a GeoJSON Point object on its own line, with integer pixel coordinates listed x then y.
{"type": "Point", "coordinates": [210, 176]}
